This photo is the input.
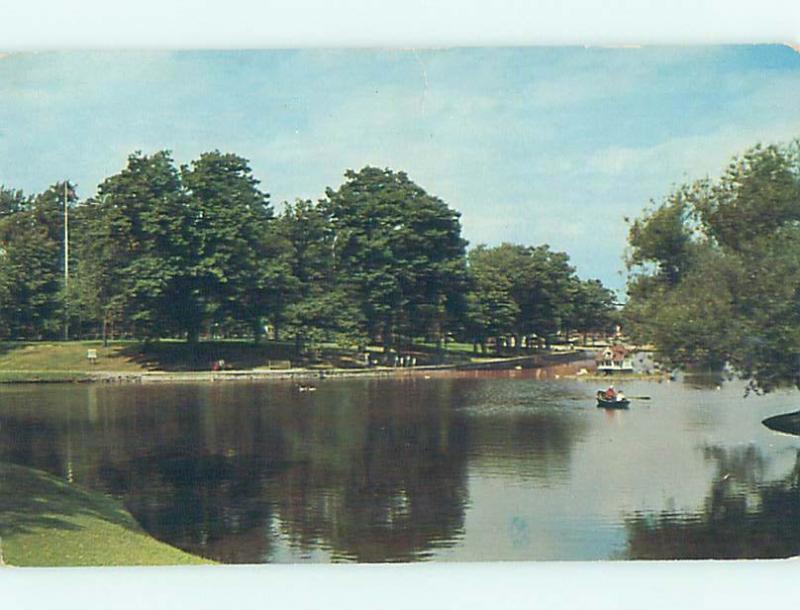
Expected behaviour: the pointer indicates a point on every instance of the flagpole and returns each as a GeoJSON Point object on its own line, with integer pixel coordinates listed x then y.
{"type": "Point", "coordinates": [66, 264]}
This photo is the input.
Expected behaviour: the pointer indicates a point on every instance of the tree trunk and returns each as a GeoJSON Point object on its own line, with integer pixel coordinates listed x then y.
{"type": "Point", "coordinates": [388, 337]}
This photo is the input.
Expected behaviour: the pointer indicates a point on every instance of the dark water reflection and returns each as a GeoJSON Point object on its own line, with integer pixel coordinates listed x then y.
{"type": "Point", "coordinates": [469, 468]}
{"type": "Point", "coordinates": [743, 515]}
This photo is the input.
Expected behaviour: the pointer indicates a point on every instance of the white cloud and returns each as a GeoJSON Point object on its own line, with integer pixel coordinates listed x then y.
{"type": "Point", "coordinates": [689, 157]}
{"type": "Point", "coordinates": [530, 145]}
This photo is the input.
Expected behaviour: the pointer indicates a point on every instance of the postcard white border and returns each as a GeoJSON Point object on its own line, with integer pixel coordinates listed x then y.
{"type": "Point", "coordinates": [50, 24]}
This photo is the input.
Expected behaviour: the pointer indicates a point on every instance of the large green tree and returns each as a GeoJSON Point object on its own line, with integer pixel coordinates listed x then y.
{"type": "Point", "coordinates": [139, 247]}
{"type": "Point", "coordinates": [402, 252]}
{"type": "Point", "coordinates": [32, 262]}
{"type": "Point", "coordinates": [734, 296]}
{"type": "Point", "coordinates": [493, 309]}
{"type": "Point", "coordinates": [522, 291]}
{"type": "Point", "coordinates": [547, 293]}
{"type": "Point", "coordinates": [663, 237]}
{"type": "Point", "coordinates": [240, 264]}
{"type": "Point", "coordinates": [319, 304]}
{"type": "Point", "coordinates": [12, 201]}
{"type": "Point", "coordinates": [30, 279]}
{"type": "Point", "coordinates": [167, 252]}
{"type": "Point", "coordinates": [594, 309]}
{"type": "Point", "coordinates": [97, 291]}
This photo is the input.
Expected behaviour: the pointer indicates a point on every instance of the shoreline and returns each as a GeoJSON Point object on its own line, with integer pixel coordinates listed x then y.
{"type": "Point", "coordinates": [620, 377]}
{"type": "Point", "coordinates": [532, 361]}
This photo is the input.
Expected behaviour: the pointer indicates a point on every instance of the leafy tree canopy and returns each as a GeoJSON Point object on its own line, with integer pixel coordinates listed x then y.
{"type": "Point", "coordinates": [725, 286]}
{"type": "Point", "coordinates": [402, 251]}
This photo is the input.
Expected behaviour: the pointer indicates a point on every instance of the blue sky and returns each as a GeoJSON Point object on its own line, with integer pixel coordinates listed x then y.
{"type": "Point", "coordinates": [531, 145]}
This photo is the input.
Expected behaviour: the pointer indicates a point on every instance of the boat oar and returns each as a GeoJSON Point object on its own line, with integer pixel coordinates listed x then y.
{"type": "Point", "coordinates": [626, 396]}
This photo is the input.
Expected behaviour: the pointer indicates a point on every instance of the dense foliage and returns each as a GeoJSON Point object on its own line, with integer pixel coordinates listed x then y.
{"type": "Point", "coordinates": [716, 270]}
{"type": "Point", "coordinates": [532, 293]}
{"type": "Point", "coordinates": [192, 251]}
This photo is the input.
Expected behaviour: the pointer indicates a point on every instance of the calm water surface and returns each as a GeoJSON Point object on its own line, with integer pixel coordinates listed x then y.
{"type": "Point", "coordinates": [503, 466]}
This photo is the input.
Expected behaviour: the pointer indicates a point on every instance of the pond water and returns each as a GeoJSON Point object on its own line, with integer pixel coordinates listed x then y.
{"type": "Point", "coordinates": [481, 466]}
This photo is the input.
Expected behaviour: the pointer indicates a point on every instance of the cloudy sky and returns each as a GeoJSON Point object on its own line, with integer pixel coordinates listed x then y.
{"type": "Point", "coordinates": [531, 145]}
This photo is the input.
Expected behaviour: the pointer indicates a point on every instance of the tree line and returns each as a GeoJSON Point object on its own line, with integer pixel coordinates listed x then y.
{"type": "Point", "coordinates": [715, 270]}
{"type": "Point", "coordinates": [197, 250]}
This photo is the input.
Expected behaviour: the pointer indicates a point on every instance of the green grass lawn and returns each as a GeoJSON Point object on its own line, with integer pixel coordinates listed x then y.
{"type": "Point", "coordinates": [22, 361]}
{"type": "Point", "coordinates": [69, 356]}
{"type": "Point", "coordinates": [41, 376]}
{"type": "Point", "coordinates": [45, 521]}
{"type": "Point", "coordinates": [54, 360]}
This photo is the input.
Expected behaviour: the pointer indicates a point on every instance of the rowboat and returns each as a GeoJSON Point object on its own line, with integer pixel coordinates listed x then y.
{"type": "Point", "coordinates": [614, 403]}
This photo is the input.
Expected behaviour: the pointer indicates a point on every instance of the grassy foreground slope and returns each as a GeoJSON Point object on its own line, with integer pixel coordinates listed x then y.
{"type": "Point", "coordinates": [47, 522]}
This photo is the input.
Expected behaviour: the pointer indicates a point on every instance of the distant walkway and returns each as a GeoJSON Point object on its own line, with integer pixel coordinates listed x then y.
{"type": "Point", "coordinates": [530, 361]}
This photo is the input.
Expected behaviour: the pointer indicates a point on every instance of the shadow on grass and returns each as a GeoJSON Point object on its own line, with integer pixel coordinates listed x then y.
{"type": "Point", "coordinates": [173, 356]}
{"type": "Point", "coordinates": [7, 347]}
{"type": "Point", "coordinates": [32, 500]}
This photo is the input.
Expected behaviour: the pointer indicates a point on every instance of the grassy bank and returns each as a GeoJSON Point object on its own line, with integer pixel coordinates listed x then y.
{"type": "Point", "coordinates": [46, 522]}
{"type": "Point", "coordinates": [26, 358]}
{"type": "Point", "coordinates": [43, 376]}
{"type": "Point", "coordinates": [68, 361]}
{"type": "Point", "coordinates": [58, 361]}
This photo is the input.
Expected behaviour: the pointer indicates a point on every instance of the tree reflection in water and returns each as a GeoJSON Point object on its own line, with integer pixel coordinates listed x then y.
{"type": "Point", "coordinates": [535, 446]}
{"type": "Point", "coordinates": [369, 470]}
{"type": "Point", "coordinates": [223, 478]}
{"type": "Point", "coordinates": [523, 430]}
{"type": "Point", "coordinates": [376, 484]}
{"type": "Point", "coordinates": [744, 516]}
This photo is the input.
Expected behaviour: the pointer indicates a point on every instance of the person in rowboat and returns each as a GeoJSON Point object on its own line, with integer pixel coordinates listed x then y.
{"type": "Point", "coordinates": [611, 393]}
